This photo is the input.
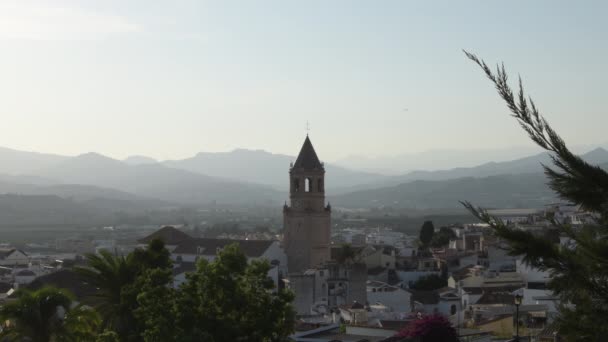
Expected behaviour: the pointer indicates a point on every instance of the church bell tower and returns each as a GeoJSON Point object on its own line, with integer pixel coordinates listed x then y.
{"type": "Point", "coordinates": [307, 219]}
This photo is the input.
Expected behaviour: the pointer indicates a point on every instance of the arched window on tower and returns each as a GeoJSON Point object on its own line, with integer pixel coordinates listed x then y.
{"type": "Point", "coordinates": [307, 185]}
{"type": "Point", "coordinates": [320, 185]}
{"type": "Point", "coordinates": [296, 185]}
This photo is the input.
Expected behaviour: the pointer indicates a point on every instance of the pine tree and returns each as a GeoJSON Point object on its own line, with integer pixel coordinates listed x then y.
{"type": "Point", "coordinates": [579, 270]}
{"type": "Point", "coordinates": [426, 233]}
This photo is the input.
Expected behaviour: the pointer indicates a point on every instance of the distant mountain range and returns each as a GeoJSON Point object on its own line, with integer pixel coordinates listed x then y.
{"type": "Point", "coordinates": [516, 183]}
{"type": "Point", "coordinates": [443, 159]}
{"type": "Point", "coordinates": [158, 181]}
{"type": "Point", "coordinates": [265, 168]}
{"type": "Point", "coordinates": [246, 177]}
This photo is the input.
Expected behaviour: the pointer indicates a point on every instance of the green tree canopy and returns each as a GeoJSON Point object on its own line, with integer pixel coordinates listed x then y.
{"type": "Point", "coordinates": [579, 270]}
{"type": "Point", "coordinates": [429, 283]}
{"type": "Point", "coordinates": [230, 299]}
{"type": "Point", "coordinates": [116, 278]}
{"type": "Point", "coordinates": [347, 254]}
{"type": "Point", "coordinates": [47, 315]}
{"type": "Point", "coordinates": [443, 237]}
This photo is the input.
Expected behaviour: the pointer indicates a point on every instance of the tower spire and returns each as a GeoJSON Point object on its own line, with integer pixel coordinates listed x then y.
{"type": "Point", "coordinates": [307, 158]}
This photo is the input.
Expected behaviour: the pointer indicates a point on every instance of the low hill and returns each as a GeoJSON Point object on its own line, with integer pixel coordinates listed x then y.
{"type": "Point", "coordinates": [502, 191]}
{"type": "Point", "coordinates": [45, 209]}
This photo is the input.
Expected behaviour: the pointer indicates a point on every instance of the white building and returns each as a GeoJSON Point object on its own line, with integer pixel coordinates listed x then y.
{"type": "Point", "coordinates": [394, 298]}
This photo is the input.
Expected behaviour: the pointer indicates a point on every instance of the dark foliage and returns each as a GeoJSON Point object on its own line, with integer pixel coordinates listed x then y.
{"type": "Point", "coordinates": [433, 328]}
{"type": "Point", "coordinates": [443, 237]}
{"type": "Point", "coordinates": [426, 233]}
{"type": "Point", "coordinates": [429, 283]}
{"type": "Point", "coordinates": [579, 270]}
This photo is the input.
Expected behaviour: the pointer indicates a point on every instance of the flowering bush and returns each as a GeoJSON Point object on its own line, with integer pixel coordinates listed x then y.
{"type": "Point", "coordinates": [433, 328]}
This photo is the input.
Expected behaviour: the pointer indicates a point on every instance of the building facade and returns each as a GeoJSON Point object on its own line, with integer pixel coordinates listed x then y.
{"type": "Point", "coordinates": [307, 218]}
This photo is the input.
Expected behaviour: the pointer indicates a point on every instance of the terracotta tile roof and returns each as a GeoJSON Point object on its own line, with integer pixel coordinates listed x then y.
{"type": "Point", "coordinates": [251, 248]}
{"type": "Point", "coordinates": [168, 234]}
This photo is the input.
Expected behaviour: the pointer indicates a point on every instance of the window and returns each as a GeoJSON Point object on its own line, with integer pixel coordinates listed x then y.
{"type": "Point", "coordinates": [453, 309]}
{"type": "Point", "coordinates": [321, 274]}
{"type": "Point", "coordinates": [307, 185]}
{"type": "Point", "coordinates": [296, 185]}
{"type": "Point", "coordinates": [320, 185]}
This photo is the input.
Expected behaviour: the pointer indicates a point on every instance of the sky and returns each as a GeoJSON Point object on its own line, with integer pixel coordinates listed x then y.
{"type": "Point", "coordinates": [168, 79]}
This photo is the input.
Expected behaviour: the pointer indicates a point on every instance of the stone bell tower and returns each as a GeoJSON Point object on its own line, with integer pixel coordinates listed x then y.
{"type": "Point", "coordinates": [307, 219]}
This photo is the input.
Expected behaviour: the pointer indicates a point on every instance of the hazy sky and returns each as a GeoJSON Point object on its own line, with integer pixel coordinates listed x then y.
{"type": "Point", "coordinates": [172, 78]}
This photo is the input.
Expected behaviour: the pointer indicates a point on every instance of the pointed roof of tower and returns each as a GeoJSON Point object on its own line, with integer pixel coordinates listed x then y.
{"type": "Point", "coordinates": [307, 159]}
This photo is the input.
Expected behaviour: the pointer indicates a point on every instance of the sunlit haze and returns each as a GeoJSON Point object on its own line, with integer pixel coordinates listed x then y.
{"type": "Point", "coordinates": [170, 79]}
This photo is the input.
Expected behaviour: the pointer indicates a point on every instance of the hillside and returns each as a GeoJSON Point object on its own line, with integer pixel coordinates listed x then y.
{"type": "Point", "coordinates": [22, 162]}
{"type": "Point", "coordinates": [503, 191]}
{"type": "Point", "coordinates": [93, 196]}
{"type": "Point", "coordinates": [158, 181]}
{"type": "Point", "coordinates": [46, 209]}
{"type": "Point", "coordinates": [529, 164]}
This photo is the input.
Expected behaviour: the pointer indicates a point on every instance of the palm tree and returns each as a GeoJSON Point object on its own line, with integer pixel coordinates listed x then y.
{"type": "Point", "coordinates": [115, 279]}
{"type": "Point", "coordinates": [46, 315]}
{"type": "Point", "coordinates": [109, 274]}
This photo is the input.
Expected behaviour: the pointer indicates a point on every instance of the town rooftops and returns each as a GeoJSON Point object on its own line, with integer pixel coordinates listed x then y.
{"type": "Point", "coordinates": [496, 298]}
{"type": "Point", "coordinates": [5, 287]}
{"type": "Point", "coordinates": [514, 212]}
{"type": "Point", "coordinates": [169, 235]}
{"type": "Point", "coordinates": [307, 159]}
{"type": "Point", "coordinates": [356, 305]}
{"type": "Point", "coordinates": [203, 246]}
{"type": "Point", "coordinates": [25, 273]}
{"type": "Point", "coordinates": [425, 297]}
{"type": "Point", "coordinates": [462, 273]}
{"type": "Point", "coordinates": [65, 279]}
{"type": "Point", "coordinates": [5, 252]}
{"type": "Point", "coordinates": [394, 324]}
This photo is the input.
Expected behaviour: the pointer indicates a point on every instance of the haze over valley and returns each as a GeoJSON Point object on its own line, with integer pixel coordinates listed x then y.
{"type": "Point", "coordinates": [93, 185]}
